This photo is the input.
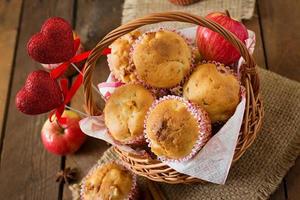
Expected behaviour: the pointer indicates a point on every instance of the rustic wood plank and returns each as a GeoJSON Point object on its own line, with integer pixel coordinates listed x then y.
{"type": "Point", "coordinates": [293, 181]}
{"type": "Point", "coordinates": [279, 194]}
{"type": "Point", "coordinates": [282, 46]}
{"type": "Point", "coordinates": [253, 24]}
{"type": "Point", "coordinates": [27, 170]}
{"type": "Point", "coordinates": [281, 36]}
{"type": "Point", "coordinates": [10, 12]}
{"type": "Point", "coordinates": [94, 20]}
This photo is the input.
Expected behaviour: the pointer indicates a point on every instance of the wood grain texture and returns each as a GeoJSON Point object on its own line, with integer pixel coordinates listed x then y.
{"type": "Point", "coordinates": [253, 24]}
{"type": "Point", "coordinates": [281, 25]}
{"type": "Point", "coordinates": [293, 182]}
{"type": "Point", "coordinates": [279, 194]}
{"type": "Point", "coordinates": [10, 12]}
{"type": "Point", "coordinates": [94, 20]}
{"type": "Point", "coordinates": [281, 36]}
{"type": "Point", "coordinates": [27, 170]}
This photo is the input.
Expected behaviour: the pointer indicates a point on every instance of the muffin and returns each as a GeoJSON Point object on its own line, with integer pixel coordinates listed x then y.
{"type": "Point", "coordinates": [176, 129]}
{"type": "Point", "coordinates": [125, 111]}
{"type": "Point", "coordinates": [162, 59]}
{"type": "Point", "coordinates": [183, 2]}
{"type": "Point", "coordinates": [110, 181]}
{"type": "Point", "coordinates": [215, 88]}
{"type": "Point", "coordinates": [118, 59]}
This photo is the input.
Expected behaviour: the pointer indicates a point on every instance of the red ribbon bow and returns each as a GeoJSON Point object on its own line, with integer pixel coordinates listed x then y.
{"type": "Point", "coordinates": [69, 93]}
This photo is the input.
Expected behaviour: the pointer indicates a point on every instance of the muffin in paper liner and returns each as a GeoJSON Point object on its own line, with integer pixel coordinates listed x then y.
{"type": "Point", "coordinates": [125, 111]}
{"type": "Point", "coordinates": [118, 59]}
{"type": "Point", "coordinates": [191, 47]}
{"type": "Point", "coordinates": [199, 120]}
{"type": "Point", "coordinates": [133, 193]}
{"type": "Point", "coordinates": [216, 88]}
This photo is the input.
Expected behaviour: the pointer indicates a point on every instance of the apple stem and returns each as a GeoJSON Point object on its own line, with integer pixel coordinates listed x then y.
{"type": "Point", "coordinates": [59, 125]}
{"type": "Point", "coordinates": [77, 111]}
{"type": "Point", "coordinates": [227, 13]}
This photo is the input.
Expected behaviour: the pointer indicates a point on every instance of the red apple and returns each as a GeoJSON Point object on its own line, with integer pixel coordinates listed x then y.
{"type": "Point", "coordinates": [212, 46]}
{"type": "Point", "coordinates": [63, 139]}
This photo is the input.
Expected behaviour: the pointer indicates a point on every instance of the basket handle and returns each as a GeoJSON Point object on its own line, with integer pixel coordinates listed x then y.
{"type": "Point", "coordinates": [249, 71]}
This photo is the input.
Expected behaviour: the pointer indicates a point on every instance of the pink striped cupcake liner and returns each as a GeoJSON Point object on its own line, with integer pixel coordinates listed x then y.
{"type": "Point", "coordinates": [204, 126]}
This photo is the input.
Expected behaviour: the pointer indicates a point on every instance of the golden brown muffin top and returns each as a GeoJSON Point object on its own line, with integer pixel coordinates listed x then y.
{"type": "Point", "coordinates": [125, 111]}
{"type": "Point", "coordinates": [108, 182]}
{"type": "Point", "coordinates": [171, 129]}
{"type": "Point", "coordinates": [217, 92]}
{"type": "Point", "coordinates": [118, 59]}
{"type": "Point", "coordinates": [162, 59]}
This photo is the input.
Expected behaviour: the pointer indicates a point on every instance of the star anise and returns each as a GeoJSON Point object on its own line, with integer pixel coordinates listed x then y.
{"type": "Point", "coordinates": [68, 175]}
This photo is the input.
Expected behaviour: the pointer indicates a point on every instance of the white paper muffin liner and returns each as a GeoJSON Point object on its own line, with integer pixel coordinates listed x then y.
{"type": "Point", "coordinates": [134, 191]}
{"type": "Point", "coordinates": [204, 125]}
{"type": "Point", "coordinates": [192, 61]}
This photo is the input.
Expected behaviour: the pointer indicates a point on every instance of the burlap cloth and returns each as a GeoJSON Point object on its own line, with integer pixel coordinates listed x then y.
{"type": "Point", "coordinates": [261, 169]}
{"type": "Point", "coordinates": [238, 9]}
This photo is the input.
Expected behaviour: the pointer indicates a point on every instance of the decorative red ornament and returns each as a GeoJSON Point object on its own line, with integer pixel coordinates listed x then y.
{"type": "Point", "coordinates": [40, 94]}
{"type": "Point", "coordinates": [68, 94]}
{"type": "Point", "coordinates": [54, 43]}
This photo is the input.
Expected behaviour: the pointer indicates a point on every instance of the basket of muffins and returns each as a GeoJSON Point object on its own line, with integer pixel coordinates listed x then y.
{"type": "Point", "coordinates": [175, 98]}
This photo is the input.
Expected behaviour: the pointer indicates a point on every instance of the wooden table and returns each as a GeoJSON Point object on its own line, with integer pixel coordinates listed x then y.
{"type": "Point", "coordinates": [27, 170]}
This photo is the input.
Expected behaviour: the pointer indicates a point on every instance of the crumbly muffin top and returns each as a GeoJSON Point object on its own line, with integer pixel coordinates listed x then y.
{"type": "Point", "coordinates": [217, 92]}
{"type": "Point", "coordinates": [125, 111]}
{"type": "Point", "coordinates": [162, 59]}
{"type": "Point", "coordinates": [108, 182]}
{"type": "Point", "coordinates": [118, 59]}
{"type": "Point", "coordinates": [172, 129]}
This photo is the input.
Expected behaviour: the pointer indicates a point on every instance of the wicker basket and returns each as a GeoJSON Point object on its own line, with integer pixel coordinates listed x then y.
{"type": "Point", "coordinates": [154, 169]}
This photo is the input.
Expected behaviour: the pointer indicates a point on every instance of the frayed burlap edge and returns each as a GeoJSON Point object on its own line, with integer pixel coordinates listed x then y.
{"type": "Point", "coordinates": [273, 180]}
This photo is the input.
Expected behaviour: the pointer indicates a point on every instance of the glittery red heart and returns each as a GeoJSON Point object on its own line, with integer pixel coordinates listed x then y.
{"type": "Point", "coordinates": [40, 94]}
{"type": "Point", "coordinates": [54, 43]}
